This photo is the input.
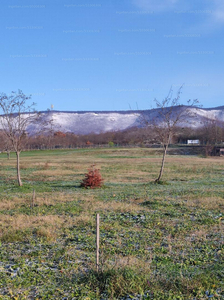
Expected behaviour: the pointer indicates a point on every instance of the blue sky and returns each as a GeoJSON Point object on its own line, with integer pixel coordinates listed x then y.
{"type": "Point", "coordinates": [112, 54]}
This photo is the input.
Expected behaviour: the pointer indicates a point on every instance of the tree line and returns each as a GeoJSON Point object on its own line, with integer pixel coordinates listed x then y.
{"type": "Point", "coordinates": [210, 134]}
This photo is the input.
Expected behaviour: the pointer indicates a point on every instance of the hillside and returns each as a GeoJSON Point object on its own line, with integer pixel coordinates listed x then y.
{"type": "Point", "coordinates": [85, 122]}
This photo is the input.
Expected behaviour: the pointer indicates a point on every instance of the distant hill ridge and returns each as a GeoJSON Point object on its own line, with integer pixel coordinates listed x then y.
{"type": "Point", "coordinates": [85, 122]}
{"type": "Point", "coordinates": [121, 111]}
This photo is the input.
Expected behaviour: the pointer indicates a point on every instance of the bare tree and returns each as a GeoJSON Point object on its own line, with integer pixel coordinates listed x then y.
{"type": "Point", "coordinates": [168, 116]}
{"type": "Point", "coordinates": [17, 116]}
{"type": "Point", "coordinates": [212, 134]}
{"type": "Point", "coordinates": [5, 145]}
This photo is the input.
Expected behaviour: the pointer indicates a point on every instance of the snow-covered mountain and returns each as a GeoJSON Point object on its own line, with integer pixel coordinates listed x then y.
{"type": "Point", "coordinates": [102, 121]}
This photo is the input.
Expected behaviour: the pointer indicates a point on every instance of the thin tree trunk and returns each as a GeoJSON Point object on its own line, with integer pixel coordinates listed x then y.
{"type": "Point", "coordinates": [18, 168]}
{"type": "Point", "coordinates": [162, 166]}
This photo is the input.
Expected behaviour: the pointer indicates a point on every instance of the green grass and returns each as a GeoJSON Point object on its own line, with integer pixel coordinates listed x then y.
{"type": "Point", "coordinates": [157, 241]}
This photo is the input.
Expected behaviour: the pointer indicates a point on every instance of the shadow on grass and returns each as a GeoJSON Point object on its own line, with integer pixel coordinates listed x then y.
{"type": "Point", "coordinates": [115, 283]}
{"type": "Point", "coordinates": [65, 186]}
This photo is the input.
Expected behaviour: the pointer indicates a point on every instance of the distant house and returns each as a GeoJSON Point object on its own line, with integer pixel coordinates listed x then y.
{"type": "Point", "coordinates": [193, 142]}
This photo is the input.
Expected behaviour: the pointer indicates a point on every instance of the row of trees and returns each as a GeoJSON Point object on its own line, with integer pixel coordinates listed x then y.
{"type": "Point", "coordinates": [208, 136]}
{"type": "Point", "coordinates": [163, 129]}
{"type": "Point", "coordinates": [133, 136]}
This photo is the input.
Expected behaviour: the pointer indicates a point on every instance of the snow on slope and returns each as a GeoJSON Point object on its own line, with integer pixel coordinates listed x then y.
{"type": "Point", "coordinates": [192, 117]}
{"type": "Point", "coordinates": [87, 122]}
{"type": "Point", "coordinates": [93, 122]}
{"type": "Point", "coordinates": [211, 114]}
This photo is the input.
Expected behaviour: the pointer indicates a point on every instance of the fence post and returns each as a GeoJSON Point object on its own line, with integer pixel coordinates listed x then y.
{"type": "Point", "coordinates": [97, 241]}
{"type": "Point", "coordinates": [32, 200]}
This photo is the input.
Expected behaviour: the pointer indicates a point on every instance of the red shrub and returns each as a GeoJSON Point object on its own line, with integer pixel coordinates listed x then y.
{"type": "Point", "coordinates": [93, 178]}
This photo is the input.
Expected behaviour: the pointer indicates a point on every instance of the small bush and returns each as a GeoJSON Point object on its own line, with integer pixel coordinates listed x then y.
{"type": "Point", "coordinates": [93, 178]}
{"type": "Point", "coordinates": [111, 144]}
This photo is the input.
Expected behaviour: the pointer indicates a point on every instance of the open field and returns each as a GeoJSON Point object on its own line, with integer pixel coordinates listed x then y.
{"type": "Point", "coordinates": [163, 241]}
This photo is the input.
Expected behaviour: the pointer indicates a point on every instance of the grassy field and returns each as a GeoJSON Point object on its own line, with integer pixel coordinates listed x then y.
{"type": "Point", "coordinates": [157, 241]}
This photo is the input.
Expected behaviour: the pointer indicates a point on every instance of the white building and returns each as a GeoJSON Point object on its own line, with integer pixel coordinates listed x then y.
{"type": "Point", "coordinates": [193, 142]}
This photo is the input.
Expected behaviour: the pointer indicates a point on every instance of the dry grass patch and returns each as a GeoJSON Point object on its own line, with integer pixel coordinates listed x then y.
{"type": "Point", "coordinates": [19, 227]}
{"type": "Point", "coordinates": [110, 206]}
{"type": "Point", "coordinates": [120, 261]}
{"type": "Point", "coordinates": [41, 199]}
{"type": "Point", "coordinates": [7, 204]}
{"type": "Point", "coordinates": [84, 219]}
{"type": "Point", "coordinates": [52, 173]}
{"type": "Point", "coordinates": [205, 202]}
{"type": "Point", "coordinates": [55, 198]}
{"type": "Point", "coordinates": [24, 221]}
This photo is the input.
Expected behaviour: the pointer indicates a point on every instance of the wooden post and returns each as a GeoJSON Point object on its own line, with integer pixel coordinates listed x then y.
{"type": "Point", "coordinates": [97, 241]}
{"type": "Point", "coordinates": [32, 200]}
